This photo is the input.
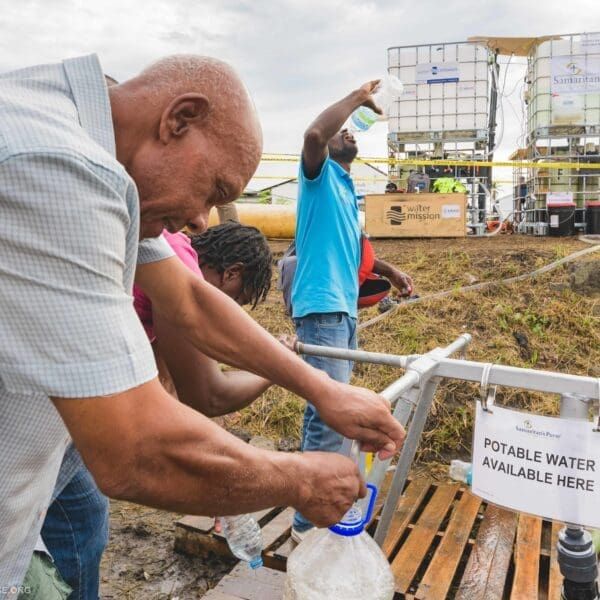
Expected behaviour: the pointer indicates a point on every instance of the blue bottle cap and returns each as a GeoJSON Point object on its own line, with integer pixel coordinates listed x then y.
{"type": "Point", "coordinates": [256, 562]}
{"type": "Point", "coordinates": [351, 524]}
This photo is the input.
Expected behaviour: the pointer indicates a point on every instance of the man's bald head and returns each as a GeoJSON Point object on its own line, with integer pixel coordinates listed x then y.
{"type": "Point", "coordinates": [187, 132]}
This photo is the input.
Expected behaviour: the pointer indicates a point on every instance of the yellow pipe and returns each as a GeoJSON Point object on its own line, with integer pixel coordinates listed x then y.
{"type": "Point", "coordinates": [276, 221]}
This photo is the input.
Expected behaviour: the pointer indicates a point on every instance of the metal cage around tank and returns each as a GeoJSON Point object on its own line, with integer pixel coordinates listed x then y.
{"type": "Point", "coordinates": [444, 113]}
{"type": "Point", "coordinates": [562, 96]}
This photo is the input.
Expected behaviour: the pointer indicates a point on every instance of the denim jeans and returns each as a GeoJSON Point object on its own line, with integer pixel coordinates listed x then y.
{"type": "Point", "coordinates": [324, 329]}
{"type": "Point", "coordinates": [75, 532]}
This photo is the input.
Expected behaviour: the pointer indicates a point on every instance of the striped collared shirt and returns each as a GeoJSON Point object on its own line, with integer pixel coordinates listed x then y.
{"type": "Point", "coordinates": [69, 226]}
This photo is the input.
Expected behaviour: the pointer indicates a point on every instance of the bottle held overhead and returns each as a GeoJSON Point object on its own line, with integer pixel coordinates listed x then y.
{"type": "Point", "coordinates": [386, 92]}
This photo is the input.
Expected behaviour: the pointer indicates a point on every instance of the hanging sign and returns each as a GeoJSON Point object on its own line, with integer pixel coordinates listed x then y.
{"type": "Point", "coordinates": [575, 74]}
{"type": "Point", "coordinates": [443, 72]}
{"type": "Point", "coordinates": [539, 465]}
{"type": "Point", "coordinates": [554, 198]}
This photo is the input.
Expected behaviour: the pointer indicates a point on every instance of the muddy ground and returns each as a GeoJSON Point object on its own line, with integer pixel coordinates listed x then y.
{"type": "Point", "coordinates": [538, 323]}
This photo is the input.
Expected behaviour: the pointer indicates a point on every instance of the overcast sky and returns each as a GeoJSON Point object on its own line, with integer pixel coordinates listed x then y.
{"type": "Point", "coordinates": [296, 56]}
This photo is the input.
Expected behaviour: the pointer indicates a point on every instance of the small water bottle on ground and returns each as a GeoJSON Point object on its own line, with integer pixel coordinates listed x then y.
{"type": "Point", "coordinates": [244, 538]}
{"type": "Point", "coordinates": [389, 88]}
{"type": "Point", "coordinates": [460, 471]}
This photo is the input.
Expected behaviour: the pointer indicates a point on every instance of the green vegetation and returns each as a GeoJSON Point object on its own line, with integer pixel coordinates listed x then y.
{"type": "Point", "coordinates": [537, 323]}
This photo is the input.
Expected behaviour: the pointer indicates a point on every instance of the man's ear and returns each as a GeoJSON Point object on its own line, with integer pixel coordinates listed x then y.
{"type": "Point", "coordinates": [182, 113]}
{"type": "Point", "coordinates": [233, 272]}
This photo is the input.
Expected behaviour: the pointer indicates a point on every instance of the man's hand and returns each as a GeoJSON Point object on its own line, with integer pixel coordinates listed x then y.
{"type": "Point", "coordinates": [289, 341]}
{"type": "Point", "coordinates": [368, 89]}
{"type": "Point", "coordinates": [360, 414]}
{"type": "Point", "coordinates": [330, 483]}
{"type": "Point", "coordinates": [402, 282]}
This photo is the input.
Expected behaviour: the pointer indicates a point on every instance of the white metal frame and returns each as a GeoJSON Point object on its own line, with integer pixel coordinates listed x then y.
{"type": "Point", "coordinates": [413, 394]}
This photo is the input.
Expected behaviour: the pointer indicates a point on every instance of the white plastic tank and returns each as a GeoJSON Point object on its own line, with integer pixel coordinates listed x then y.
{"type": "Point", "coordinates": [563, 83]}
{"type": "Point", "coordinates": [446, 88]}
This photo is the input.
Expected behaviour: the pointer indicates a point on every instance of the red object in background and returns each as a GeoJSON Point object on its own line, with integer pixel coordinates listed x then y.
{"type": "Point", "coordinates": [367, 259]}
{"type": "Point", "coordinates": [373, 289]}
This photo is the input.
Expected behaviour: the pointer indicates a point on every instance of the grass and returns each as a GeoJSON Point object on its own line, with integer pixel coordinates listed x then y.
{"type": "Point", "coordinates": [537, 323]}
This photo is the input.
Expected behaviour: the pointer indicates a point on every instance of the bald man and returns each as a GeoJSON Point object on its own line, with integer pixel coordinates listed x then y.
{"type": "Point", "coordinates": [86, 172]}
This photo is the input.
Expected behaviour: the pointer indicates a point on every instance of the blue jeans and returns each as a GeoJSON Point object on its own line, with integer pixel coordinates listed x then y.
{"type": "Point", "coordinates": [324, 329]}
{"type": "Point", "coordinates": [75, 532]}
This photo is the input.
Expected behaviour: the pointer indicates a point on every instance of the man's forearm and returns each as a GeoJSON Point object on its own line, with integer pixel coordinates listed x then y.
{"type": "Point", "coordinates": [330, 121]}
{"type": "Point", "coordinates": [239, 390]}
{"type": "Point", "coordinates": [380, 267]}
{"type": "Point", "coordinates": [209, 471]}
{"type": "Point", "coordinates": [166, 455]}
{"type": "Point", "coordinates": [237, 341]}
{"type": "Point", "coordinates": [144, 446]}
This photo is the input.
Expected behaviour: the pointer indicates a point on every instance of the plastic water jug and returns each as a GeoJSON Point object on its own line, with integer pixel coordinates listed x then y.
{"type": "Point", "coordinates": [386, 92]}
{"type": "Point", "coordinates": [340, 563]}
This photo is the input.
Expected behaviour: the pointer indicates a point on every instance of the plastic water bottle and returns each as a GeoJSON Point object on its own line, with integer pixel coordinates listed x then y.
{"type": "Point", "coordinates": [244, 538]}
{"type": "Point", "coordinates": [340, 563]}
{"type": "Point", "coordinates": [386, 92]}
{"type": "Point", "coordinates": [461, 471]}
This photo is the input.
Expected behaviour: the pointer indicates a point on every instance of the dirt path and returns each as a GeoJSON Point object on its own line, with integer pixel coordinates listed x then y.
{"type": "Point", "coordinates": [140, 563]}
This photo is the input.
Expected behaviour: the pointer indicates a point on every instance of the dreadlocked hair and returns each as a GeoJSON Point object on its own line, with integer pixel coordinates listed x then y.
{"type": "Point", "coordinates": [224, 245]}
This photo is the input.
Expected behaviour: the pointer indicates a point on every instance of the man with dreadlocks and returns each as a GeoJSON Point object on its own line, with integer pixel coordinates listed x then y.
{"type": "Point", "coordinates": [237, 260]}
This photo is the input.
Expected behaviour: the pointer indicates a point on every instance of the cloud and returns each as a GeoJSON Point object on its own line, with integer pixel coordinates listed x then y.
{"type": "Point", "coordinates": [297, 56]}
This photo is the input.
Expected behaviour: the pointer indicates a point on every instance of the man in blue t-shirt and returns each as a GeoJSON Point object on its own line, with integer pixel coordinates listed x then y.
{"type": "Point", "coordinates": [325, 288]}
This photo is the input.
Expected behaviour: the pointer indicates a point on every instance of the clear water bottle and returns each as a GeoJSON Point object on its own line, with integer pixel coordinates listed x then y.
{"type": "Point", "coordinates": [386, 92]}
{"type": "Point", "coordinates": [244, 538]}
{"type": "Point", "coordinates": [461, 471]}
{"type": "Point", "coordinates": [340, 563]}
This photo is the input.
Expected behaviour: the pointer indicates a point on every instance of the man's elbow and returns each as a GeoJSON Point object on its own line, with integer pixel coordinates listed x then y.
{"type": "Point", "coordinates": [208, 403]}
{"type": "Point", "coordinates": [215, 406]}
{"type": "Point", "coordinates": [116, 474]}
{"type": "Point", "coordinates": [314, 138]}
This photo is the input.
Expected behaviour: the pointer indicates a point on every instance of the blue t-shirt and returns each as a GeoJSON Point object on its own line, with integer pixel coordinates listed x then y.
{"type": "Point", "coordinates": [327, 243]}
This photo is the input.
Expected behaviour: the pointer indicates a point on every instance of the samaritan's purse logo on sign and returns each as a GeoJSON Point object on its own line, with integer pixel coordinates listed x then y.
{"type": "Point", "coordinates": [575, 76]}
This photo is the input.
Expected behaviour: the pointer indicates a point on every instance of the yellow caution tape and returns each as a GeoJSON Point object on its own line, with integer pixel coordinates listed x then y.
{"type": "Point", "coordinates": [514, 164]}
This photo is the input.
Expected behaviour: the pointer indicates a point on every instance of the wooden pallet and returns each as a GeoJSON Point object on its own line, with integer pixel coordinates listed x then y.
{"type": "Point", "coordinates": [443, 543]}
{"type": "Point", "coordinates": [195, 535]}
{"type": "Point", "coordinates": [245, 584]}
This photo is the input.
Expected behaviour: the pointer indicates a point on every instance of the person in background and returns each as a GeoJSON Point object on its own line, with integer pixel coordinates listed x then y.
{"type": "Point", "coordinates": [375, 276]}
{"type": "Point", "coordinates": [325, 285]}
{"type": "Point", "coordinates": [113, 167]}
{"type": "Point", "coordinates": [237, 260]}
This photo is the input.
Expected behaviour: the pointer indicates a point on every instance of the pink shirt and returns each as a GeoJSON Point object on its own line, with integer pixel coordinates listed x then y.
{"type": "Point", "coordinates": [183, 249]}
